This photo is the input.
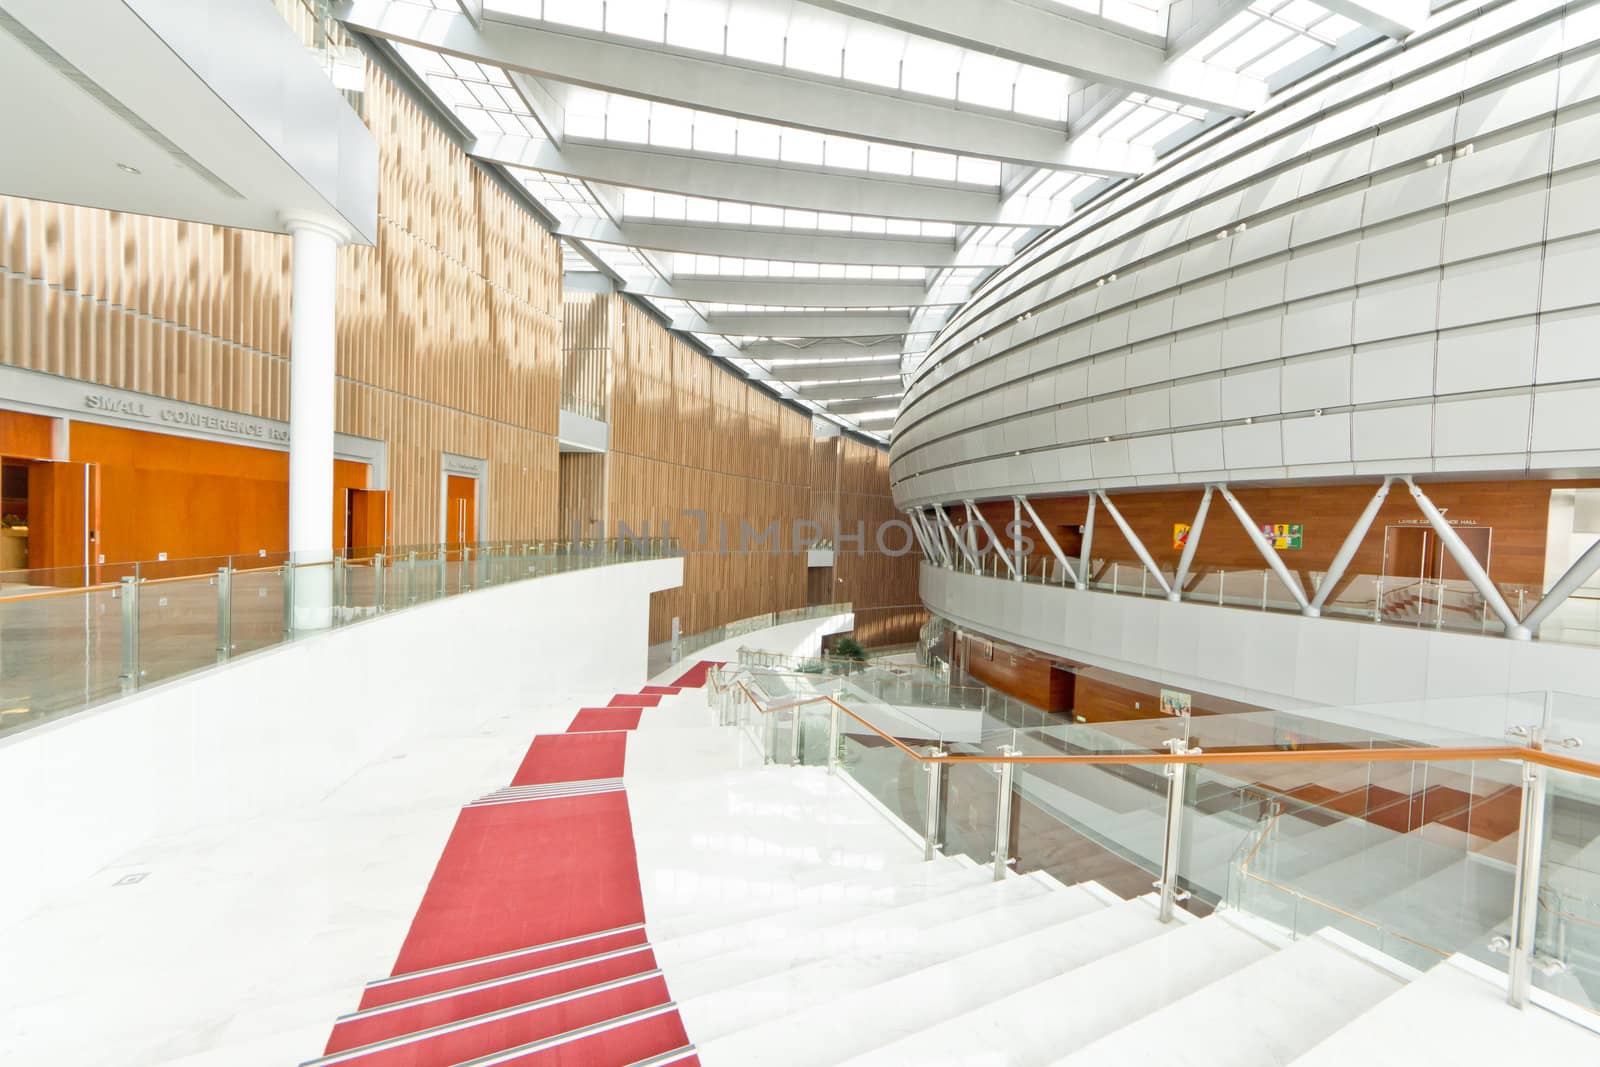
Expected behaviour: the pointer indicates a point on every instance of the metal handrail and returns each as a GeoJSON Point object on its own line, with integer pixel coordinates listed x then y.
{"type": "Point", "coordinates": [1455, 754]}
{"type": "Point", "coordinates": [1520, 946]}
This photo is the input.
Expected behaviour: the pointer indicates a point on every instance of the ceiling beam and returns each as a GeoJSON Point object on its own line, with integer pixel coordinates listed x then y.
{"type": "Point", "coordinates": [835, 372]}
{"type": "Point", "coordinates": [785, 292]}
{"type": "Point", "coordinates": [799, 246]}
{"type": "Point", "coordinates": [1392, 18]}
{"type": "Point", "coordinates": [714, 83]}
{"type": "Point", "coordinates": [757, 181]}
{"type": "Point", "coordinates": [832, 351]}
{"type": "Point", "coordinates": [803, 324]}
{"type": "Point", "coordinates": [853, 408]}
{"type": "Point", "coordinates": [1019, 31]}
{"type": "Point", "coordinates": [851, 391]}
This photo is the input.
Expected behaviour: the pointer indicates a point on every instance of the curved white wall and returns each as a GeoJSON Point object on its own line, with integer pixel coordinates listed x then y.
{"type": "Point", "coordinates": [1392, 269]}
{"type": "Point", "coordinates": [287, 725]}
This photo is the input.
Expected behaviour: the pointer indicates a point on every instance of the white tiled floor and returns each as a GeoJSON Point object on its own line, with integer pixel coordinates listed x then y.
{"type": "Point", "coordinates": [242, 942]}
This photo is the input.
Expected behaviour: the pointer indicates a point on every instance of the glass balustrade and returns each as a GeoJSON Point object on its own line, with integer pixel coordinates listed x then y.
{"type": "Point", "coordinates": [1400, 825]}
{"type": "Point", "coordinates": [71, 638]}
{"type": "Point", "coordinates": [1433, 603]}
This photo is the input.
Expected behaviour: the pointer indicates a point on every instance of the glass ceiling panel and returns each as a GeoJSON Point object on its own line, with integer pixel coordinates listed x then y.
{"type": "Point", "coordinates": [1271, 36]}
{"type": "Point", "coordinates": [600, 116]}
{"type": "Point", "coordinates": [821, 43]}
{"type": "Point", "coordinates": [671, 207]}
{"type": "Point", "coordinates": [688, 265]}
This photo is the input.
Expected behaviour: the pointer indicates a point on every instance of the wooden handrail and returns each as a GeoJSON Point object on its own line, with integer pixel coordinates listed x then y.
{"type": "Point", "coordinates": [1459, 753]}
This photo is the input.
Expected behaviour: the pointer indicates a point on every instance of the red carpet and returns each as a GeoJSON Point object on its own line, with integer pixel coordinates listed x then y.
{"type": "Point", "coordinates": [605, 719]}
{"type": "Point", "coordinates": [661, 690]}
{"type": "Point", "coordinates": [572, 758]}
{"type": "Point", "coordinates": [532, 926]}
{"type": "Point", "coordinates": [695, 677]}
{"type": "Point", "coordinates": [536, 959]}
{"type": "Point", "coordinates": [510, 876]}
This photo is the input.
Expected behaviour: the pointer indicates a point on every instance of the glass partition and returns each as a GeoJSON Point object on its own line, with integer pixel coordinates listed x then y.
{"type": "Point", "coordinates": [65, 644]}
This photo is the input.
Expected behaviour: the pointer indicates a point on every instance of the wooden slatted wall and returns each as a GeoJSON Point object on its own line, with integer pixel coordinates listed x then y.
{"type": "Point", "coordinates": [586, 343]}
{"type": "Point", "coordinates": [448, 330]}
{"type": "Point", "coordinates": [687, 435]}
{"type": "Point", "coordinates": [882, 585]}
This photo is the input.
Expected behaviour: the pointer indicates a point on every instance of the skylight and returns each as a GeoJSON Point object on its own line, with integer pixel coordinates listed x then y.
{"type": "Point", "coordinates": [687, 265]}
{"type": "Point", "coordinates": [1271, 36]}
{"type": "Point", "coordinates": [671, 207]}
{"type": "Point", "coordinates": [613, 117]}
{"type": "Point", "coordinates": [820, 43]}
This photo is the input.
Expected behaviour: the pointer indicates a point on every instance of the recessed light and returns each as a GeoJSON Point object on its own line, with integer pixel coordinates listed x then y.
{"type": "Point", "coordinates": [124, 168]}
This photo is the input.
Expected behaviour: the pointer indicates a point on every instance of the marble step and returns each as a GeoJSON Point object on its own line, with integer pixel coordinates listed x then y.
{"type": "Point", "coordinates": [1263, 1015]}
{"type": "Point", "coordinates": [726, 993]}
{"type": "Point", "coordinates": [811, 921]}
{"type": "Point", "coordinates": [840, 1027]}
{"type": "Point", "coordinates": [1452, 1015]}
{"type": "Point", "coordinates": [882, 888]}
{"type": "Point", "coordinates": [1034, 1025]}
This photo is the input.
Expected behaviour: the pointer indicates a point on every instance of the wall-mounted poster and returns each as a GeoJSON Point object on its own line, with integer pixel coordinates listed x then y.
{"type": "Point", "coordinates": [1180, 535]}
{"type": "Point", "coordinates": [1175, 703]}
{"type": "Point", "coordinates": [1283, 534]}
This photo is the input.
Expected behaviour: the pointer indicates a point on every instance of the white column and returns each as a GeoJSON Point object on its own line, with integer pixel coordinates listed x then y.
{"type": "Point", "coordinates": [311, 392]}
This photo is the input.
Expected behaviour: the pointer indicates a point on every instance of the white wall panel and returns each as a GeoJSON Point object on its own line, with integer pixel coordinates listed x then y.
{"type": "Point", "coordinates": [1417, 220]}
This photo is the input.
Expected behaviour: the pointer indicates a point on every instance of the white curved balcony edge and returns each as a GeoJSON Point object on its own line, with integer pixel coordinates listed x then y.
{"type": "Point", "coordinates": [1275, 660]}
{"type": "Point", "coordinates": [289, 725]}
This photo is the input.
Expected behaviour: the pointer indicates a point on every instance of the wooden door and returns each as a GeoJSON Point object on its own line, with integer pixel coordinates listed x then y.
{"type": "Point", "coordinates": [461, 510]}
{"type": "Point", "coordinates": [367, 521]}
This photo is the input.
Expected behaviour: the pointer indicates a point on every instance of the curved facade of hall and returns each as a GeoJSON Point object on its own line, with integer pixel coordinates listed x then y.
{"type": "Point", "coordinates": [1393, 269]}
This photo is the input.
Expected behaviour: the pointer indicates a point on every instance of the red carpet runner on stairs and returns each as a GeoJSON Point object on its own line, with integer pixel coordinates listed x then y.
{"type": "Point", "coordinates": [529, 946]}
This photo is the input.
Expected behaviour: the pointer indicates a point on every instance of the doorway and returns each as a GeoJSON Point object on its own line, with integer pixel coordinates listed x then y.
{"type": "Point", "coordinates": [461, 510]}
{"type": "Point", "coordinates": [1422, 584]}
{"type": "Point", "coordinates": [366, 529]}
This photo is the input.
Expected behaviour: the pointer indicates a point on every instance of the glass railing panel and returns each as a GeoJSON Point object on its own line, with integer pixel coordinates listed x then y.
{"type": "Point", "coordinates": [1410, 857]}
{"type": "Point", "coordinates": [893, 778]}
{"type": "Point", "coordinates": [58, 651]}
{"type": "Point", "coordinates": [178, 625]}
{"type": "Point", "coordinates": [1567, 941]}
{"type": "Point", "coordinates": [1080, 822]}
{"type": "Point", "coordinates": [967, 811]}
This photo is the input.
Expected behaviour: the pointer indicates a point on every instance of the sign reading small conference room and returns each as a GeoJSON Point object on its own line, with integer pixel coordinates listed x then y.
{"type": "Point", "coordinates": [146, 409]}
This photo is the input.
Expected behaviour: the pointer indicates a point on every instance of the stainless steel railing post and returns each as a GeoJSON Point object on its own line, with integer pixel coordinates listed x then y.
{"type": "Point", "coordinates": [1168, 885]}
{"type": "Point", "coordinates": [931, 822]}
{"type": "Point", "coordinates": [379, 593]}
{"type": "Point", "coordinates": [288, 597]}
{"type": "Point", "coordinates": [224, 612]}
{"type": "Point", "coordinates": [1002, 816]}
{"type": "Point", "coordinates": [130, 633]}
{"type": "Point", "coordinates": [833, 739]}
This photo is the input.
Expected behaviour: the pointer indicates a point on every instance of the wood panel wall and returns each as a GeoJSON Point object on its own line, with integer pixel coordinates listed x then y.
{"type": "Point", "coordinates": [583, 495]}
{"type": "Point", "coordinates": [882, 586]}
{"type": "Point", "coordinates": [688, 436]}
{"type": "Point", "coordinates": [448, 329]}
{"type": "Point", "coordinates": [587, 338]}
{"type": "Point", "coordinates": [1517, 511]}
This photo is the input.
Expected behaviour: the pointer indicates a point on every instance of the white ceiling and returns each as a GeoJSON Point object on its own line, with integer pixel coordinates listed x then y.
{"type": "Point", "coordinates": [811, 187]}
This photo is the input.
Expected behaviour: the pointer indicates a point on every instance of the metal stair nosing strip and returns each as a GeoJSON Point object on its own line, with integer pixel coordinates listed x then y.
{"type": "Point", "coordinates": [677, 1055]}
{"type": "Point", "coordinates": [445, 968]}
{"type": "Point", "coordinates": [522, 794]}
{"type": "Point", "coordinates": [570, 1036]}
{"type": "Point", "coordinates": [402, 1040]}
{"type": "Point", "coordinates": [491, 983]}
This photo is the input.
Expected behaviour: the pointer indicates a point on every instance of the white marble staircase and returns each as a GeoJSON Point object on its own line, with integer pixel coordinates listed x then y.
{"type": "Point", "coordinates": [796, 925]}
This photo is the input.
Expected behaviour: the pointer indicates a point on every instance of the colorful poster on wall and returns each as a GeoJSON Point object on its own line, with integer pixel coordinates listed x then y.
{"type": "Point", "coordinates": [1283, 534]}
{"type": "Point", "coordinates": [1180, 535]}
{"type": "Point", "coordinates": [1174, 702]}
